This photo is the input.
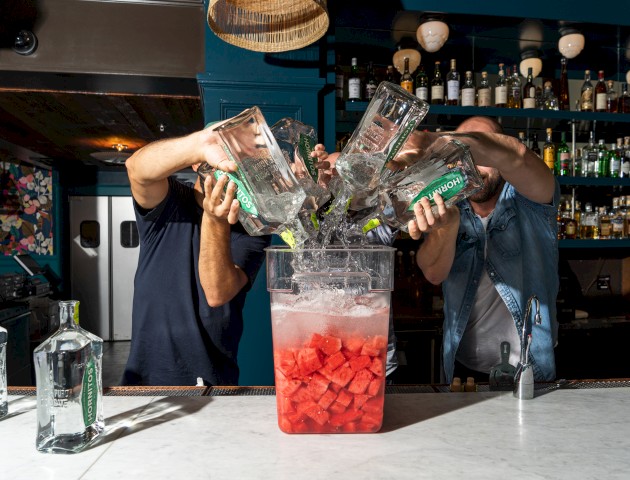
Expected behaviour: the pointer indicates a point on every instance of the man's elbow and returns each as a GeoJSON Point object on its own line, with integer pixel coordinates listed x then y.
{"type": "Point", "coordinates": [218, 299]}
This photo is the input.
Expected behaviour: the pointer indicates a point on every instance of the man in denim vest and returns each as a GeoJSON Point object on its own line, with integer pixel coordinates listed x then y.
{"type": "Point", "coordinates": [491, 252]}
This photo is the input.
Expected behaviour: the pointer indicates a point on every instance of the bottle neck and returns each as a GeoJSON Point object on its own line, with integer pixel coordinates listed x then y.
{"type": "Point", "coordinates": [68, 314]}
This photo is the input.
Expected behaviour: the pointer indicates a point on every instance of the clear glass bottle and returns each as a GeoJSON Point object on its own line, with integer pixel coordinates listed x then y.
{"type": "Point", "coordinates": [468, 91]}
{"type": "Point", "coordinates": [550, 101]}
{"type": "Point", "coordinates": [601, 92]}
{"type": "Point", "coordinates": [422, 84]}
{"type": "Point", "coordinates": [370, 82]}
{"type": "Point", "coordinates": [529, 91]}
{"type": "Point", "coordinates": [611, 97]}
{"type": "Point", "coordinates": [586, 93]}
{"type": "Point", "coordinates": [589, 226]}
{"type": "Point", "coordinates": [4, 405]}
{"type": "Point", "coordinates": [452, 84]}
{"type": "Point", "coordinates": [623, 104]}
{"type": "Point", "coordinates": [563, 95]}
{"type": "Point", "coordinates": [569, 224]}
{"type": "Point", "coordinates": [437, 86]}
{"type": "Point", "coordinates": [514, 94]}
{"type": "Point", "coordinates": [549, 152]}
{"type": "Point", "coordinates": [406, 81]}
{"type": "Point", "coordinates": [484, 93]}
{"type": "Point", "coordinates": [500, 89]}
{"type": "Point", "coordinates": [563, 167]}
{"type": "Point", "coordinates": [68, 373]}
{"type": "Point", "coordinates": [354, 82]}
{"type": "Point", "coordinates": [603, 164]}
{"type": "Point", "coordinates": [589, 153]}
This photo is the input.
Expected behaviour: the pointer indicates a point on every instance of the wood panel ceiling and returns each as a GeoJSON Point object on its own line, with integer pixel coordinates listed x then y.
{"type": "Point", "coordinates": [62, 126]}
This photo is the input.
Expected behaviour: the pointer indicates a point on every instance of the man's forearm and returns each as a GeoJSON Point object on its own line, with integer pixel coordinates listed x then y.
{"type": "Point", "coordinates": [436, 254]}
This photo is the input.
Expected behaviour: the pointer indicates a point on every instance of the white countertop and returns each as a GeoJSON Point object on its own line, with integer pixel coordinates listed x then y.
{"type": "Point", "coordinates": [572, 434]}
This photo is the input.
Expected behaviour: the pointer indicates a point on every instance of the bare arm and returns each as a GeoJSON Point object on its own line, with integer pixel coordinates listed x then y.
{"type": "Point", "coordinates": [149, 168]}
{"type": "Point", "coordinates": [437, 251]}
{"type": "Point", "coordinates": [518, 165]}
{"type": "Point", "coordinates": [220, 278]}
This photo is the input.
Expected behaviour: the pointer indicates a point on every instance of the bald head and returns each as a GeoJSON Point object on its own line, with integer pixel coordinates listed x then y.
{"type": "Point", "coordinates": [480, 124]}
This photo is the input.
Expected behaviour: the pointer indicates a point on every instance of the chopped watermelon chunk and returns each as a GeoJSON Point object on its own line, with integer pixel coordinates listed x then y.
{"type": "Point", "coordinates": [375, 386]}
{"type": "Point", "coordinates": [342, 375]}
{"type": "Point", "coordinates": [360, 382]}
{"type": "Point", "coordinates": [337, 407]}
{"type": "Point", "coordinates": [317, 386]}
{"type": "Point", "coordinates": [377, 367]}
{"type": "Point", "coordinates": [329, 344]}
{"type": "Point", "coordinates": [374, 405]}
{"type": "Point", "coordinates": [339, 419]}
{"type": "Point", "coordinates": [318, 414]}
{"type": "Point", "coordinates": [360, 362]}
{"type": "Point", "coordinates": [309, 360]}
{"type": "Point", "coordinates": [327, 399]}
{"type": "Point", "coordinates": [313, 342]}
{"type": "Point", "coordinates": [284, 360]}
{"type": "Point", "coordinates": [354, 344]}
{"type": "Point", "coordinates": [336, 360]}
{"type": "Point", "coordinates": [359, 400]}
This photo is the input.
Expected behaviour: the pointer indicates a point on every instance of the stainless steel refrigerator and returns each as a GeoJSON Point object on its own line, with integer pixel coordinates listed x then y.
{"type": "Point", "coordinates": [103, 262]}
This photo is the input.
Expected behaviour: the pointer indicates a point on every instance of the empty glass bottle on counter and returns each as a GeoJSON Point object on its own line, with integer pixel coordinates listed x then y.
{"type": "Point", "coordinates": [4, 405]}
{"type": "Point", "coordinates": [68, 368]}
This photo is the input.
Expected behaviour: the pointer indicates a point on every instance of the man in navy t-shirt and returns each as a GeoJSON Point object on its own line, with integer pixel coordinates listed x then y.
{"type": "Point", "coordinates": [195, 267]}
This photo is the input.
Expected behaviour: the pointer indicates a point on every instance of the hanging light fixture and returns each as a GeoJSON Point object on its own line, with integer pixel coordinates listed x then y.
{"type": "Point", "coordinates": [432, 34]}
{"type": "Point", "coordinates": [571, 42]}
{"type": "Point", "coordinates": [268, 25]}
{"type": "Point", "coordinates": [116, 156]}
{"type": "Point", "coordinates": [406, 48]}
{"type": "Point", "coordinates": [530, 59]}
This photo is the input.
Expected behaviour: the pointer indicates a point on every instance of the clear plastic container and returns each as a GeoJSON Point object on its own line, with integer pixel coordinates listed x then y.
{"type": "Point", "coordinates": [330, 318]}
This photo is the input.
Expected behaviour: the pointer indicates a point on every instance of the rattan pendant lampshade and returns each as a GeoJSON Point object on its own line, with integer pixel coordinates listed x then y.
{"type": "Point", "coordinates": [268, 25]}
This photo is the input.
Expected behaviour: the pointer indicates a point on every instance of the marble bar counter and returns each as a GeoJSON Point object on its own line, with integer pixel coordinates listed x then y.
{"type": "Point", "coordinates": [565, 432]}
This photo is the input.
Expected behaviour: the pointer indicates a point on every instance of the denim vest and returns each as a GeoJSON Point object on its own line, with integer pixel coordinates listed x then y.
{"type": "Point", "coordinates": [522, 260]}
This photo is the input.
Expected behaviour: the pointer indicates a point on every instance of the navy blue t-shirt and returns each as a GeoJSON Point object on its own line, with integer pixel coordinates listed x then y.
{"type": "Point", "coordinates": [176, 335]}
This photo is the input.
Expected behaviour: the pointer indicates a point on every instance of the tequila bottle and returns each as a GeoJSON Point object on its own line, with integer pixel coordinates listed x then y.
{"type": "Point", "coordinates": [69, 386]}
{"type": "Point", "coordinates": [447, 169]}
{"type": "Point", "coordinates": [3, 373]}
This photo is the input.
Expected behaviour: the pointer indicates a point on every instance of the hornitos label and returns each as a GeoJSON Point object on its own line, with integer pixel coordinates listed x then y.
{"type": "Point", "coordinates": [448, 185]}
{"type": "Point", "coordinates": [305, 147]}
{"type": "Point", "coordinates": [89, 393]}
{"type": "Point", "coordinates": [242, 194]}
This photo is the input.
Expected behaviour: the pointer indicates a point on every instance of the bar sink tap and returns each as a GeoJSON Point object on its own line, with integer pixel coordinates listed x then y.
{"type": "Point", "coordinates": [524, 378]}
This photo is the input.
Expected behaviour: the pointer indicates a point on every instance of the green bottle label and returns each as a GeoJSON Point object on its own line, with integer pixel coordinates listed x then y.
{"type": "Point", "coordinates": [75, 314]}
{"type": "Point", "coordinates": [89, 394]}
{"type": "Point", "coordinates": [370, 225]}
{"type": "Point", "coordinates": [305, 147]}
{"type": "Point", "coordinates": [289, 239]}
{"type": "Point", "coordinates": [448, 185]}
{"type": "Point", "coordinates": [242, 194]}
{"type": "Point", "coordinates": [400, 141]}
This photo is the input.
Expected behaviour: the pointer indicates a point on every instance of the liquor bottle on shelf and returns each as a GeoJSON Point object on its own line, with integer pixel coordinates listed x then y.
{"type": "Point", "coordinates": [578, 163]}
{"type": "Point", "coordinates": [586, 93]}
{"type": "Point", "coordinates": [406, 81]}
{"type": "Point", "coordinates": [535, 147]}
{"type": "Point", "coordinates": [484, 94]}
{"type": "Point", "coordinates": [370, 82]}
{"type": "Point", "coordinates": [514, 94]}
{"type": "Point", "coordinates": [468, 91]}
{"type": "Point", "coordinates": [623, 104]}
{"type": "Point", "coordinates": [589, 154]}
{"type": "Point", "coordinates": [614, 159]}
{"type": "Point", "coordinates": [354, 82]}
{"type": "Point", "coordinates": [69, 385]}
{"type": "Point", "coordinates": [550, 101]}
{"type": "Point", "coordinates": [624, 170]}
{"type": "Point", "coordinates": [500, 89]}
{"type": "Point", "coordinates": [563, 96]}
{"type": "Point", "coordinates": [605, 227]}
{"type": "Point", "coordinates": [563, 157]}
{"type": "Point", "coordinates": [616, 219]}
{"type": "Point", "coordinates": [392, 75]}
{"type": "Point", "coordinates": [422, 84]}
{"type": "Point", "coordinates": [4, 398]}
{"type": "Point", "coordinates": [589, 226]}
{"type": "Point", "coordinates": [529, 91]}
{"type": "Point", "coordinates": [603, 166]}
{"type": "Point", "coordinates": [452, 85]}
{"type": "Point", "coordinates": [601, 92]}
{"type": "Point", "coordinates": [626, 227]}
{"type": "Point", "coordinates": [437, 86]}
{"type": "Point", "coordinates": [569, 224]}
{"type": "Point", "coordinates": [611, 97]}
{"type": "Point", "coordinates": [549, 152]}
{"type": "Point", "coordinates": [339, 83]}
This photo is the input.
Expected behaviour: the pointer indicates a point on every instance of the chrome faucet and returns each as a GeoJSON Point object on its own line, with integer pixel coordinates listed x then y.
{"type": "Point", "coordinates": [524, 378]}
